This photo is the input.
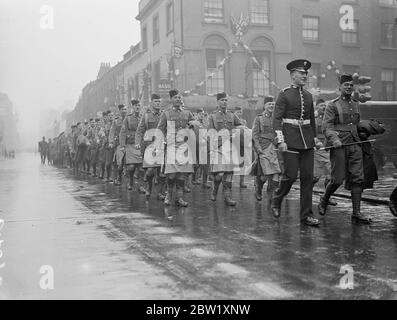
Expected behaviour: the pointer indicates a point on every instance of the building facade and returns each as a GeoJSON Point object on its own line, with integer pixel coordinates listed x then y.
{"type": "Point", "coordinates": [184, 44]}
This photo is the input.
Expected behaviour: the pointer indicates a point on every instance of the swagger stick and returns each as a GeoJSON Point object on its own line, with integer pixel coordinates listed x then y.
{"type": "Point", "coordinates": [349, 144]}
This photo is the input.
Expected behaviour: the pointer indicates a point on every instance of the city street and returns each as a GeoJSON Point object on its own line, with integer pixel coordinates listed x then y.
{"type": "Point", "coordinates": [103, 242]}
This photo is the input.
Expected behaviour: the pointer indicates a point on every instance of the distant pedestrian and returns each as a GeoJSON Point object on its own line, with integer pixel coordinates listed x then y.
{"type": "Point", "coordinates": [43, 150]}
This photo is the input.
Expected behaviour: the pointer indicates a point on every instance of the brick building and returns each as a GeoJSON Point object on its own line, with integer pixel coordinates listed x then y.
{"type": "Point", "coordinates": [184, 41]}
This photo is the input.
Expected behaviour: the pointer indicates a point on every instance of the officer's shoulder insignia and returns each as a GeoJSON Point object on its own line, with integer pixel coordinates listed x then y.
{"type": "Point", "coordinates": [286, 89]}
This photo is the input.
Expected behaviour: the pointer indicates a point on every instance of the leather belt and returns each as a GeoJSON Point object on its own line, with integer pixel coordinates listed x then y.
{"type": "Point", "coordinates": [297, 122]}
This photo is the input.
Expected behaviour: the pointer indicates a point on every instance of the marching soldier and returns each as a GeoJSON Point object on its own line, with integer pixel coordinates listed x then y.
{"type": "Point", "coordinates": [103, 144]}
{"type": "Point", "coordinates": [322, 162]}
{"type": "Point", "coordinates": [109, 150]}
{"type": "Point", "coordinates": [175, 171]}
{"type": "Point", "coordinates": [43, 150]}
{"type": "Point", "coordinates": [340, 128]}
{"type": "Point", "coordinates": [223, 172]}
{"type": "Point", "coordinates": [114, 142]}
{"type": "Point", "coordinates": [295, 127]}
{"type": "Point", "coordinates": [201, 122]}
{"type": "Point", "coordinates": [239, 113]}
{"type": "Point", "coordinates": [95, 145]}
{"type": "Point", "coordinates": [264, 138]}
{"type": "Point", "coordinates": [149, 121]}
{"type": "Point", "coordinates": [133, 157]}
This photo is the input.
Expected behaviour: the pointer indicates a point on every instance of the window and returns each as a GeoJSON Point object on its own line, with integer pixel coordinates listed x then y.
{"type": "Point", "coordinates": [259, 11]}
{"type": "Point", "coordinates": [156, 75]}
{"type": "Point", "coordinates": [156, 29]}
{"type": "Point", "coordinates": [137, 86]}
{"type": "Point", "coordinates": [311, 28]}
{"type": "Point", "coordinates": [351, 36]}
{"type": "Point", "coordinates": [388, 2]}
{"type": "Point", "coordinates": [314, 76]}
{"type": "Point", "coordinates": [217, 83]}
{"type": "Point", "coordinates": [170, 17]}
{"type": "Point", "coordinates": [213, 11]}
{"type": "Point", "coordinates": [388, 84]}
{"type": "Point", "coordinates": [350, 69]}
{"type": "Point", "coordinates": [261, 84]}
{"type": "Point", "coordinates": [389, 35]}
{"type": "Point", "coordinates": [144, 38]}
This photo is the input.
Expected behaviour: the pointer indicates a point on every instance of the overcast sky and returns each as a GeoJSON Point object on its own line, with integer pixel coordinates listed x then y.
{"type": "Point", "coordinates": [42, 68]}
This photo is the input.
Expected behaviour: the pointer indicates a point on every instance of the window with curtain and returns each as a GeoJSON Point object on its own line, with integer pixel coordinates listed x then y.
{"type": "Point", "coordinates": [351, 36]}
{"type": "Point", "coordinates": [259, 11]}
{"type": "Point", "coordinates": [261, 84]}
{"type": "Point", "coordinates": [213, 11]}
{"type": "Point", "coordinates": [213, 59]}
{"type": "Point", "coordinates": [311, 28]}
{"type": "Point", "coordinates": [388, 84]}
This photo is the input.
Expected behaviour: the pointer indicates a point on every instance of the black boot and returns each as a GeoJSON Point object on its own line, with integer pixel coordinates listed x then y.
{"type": "Point", "coordinates": [357, 216]}
{"type": "Point", "coordinates": [131, 182]}
{"type": "Point", "coordinates": [215, 190]}
{"type": "Point", "coordinates": [227, 191]}
{"type": "Point", "coordinates": [331, 202]}
{"type": "Point", "coordinates": [149, 186]}
{"type": "Point", "coordinates": [170, 191]}
{"type": "Point", "coordinates": [242, 184]}
{"type": "Point", "coordinates": [161, 193]}
{"type": "Point", "coordinates": [278, 196]}
{"type": "Point", "coordinates": [324, 200]}
{"type": "Point", "coordinates": [258, 188]}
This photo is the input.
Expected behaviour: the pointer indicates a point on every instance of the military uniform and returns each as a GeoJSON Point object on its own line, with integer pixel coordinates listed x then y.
{"type": "Point", "coordinates": [114, 140]}
{"type": "Point", "coordinates": [322, 162]}
{"type": "Point", "coordinates": [268, 166]}
{"type": "Point", "coordinates": [223, 168]}
{"type": "Point", "coordinates": [149, 121]}
{"type": "Point", "coordinates": [340, 124]}
{"type": "Point", "coordinates": [43, 150]}
{"type": "Point", "coordinates": [174, 170]}
{"type": "Point", "coordinates": [133, 157]}
{"type": "Point", "coordinates": [294, 124]}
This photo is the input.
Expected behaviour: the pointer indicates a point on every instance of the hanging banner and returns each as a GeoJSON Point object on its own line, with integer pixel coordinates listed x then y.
{"type": "Point", "coordinates": [164, 86]}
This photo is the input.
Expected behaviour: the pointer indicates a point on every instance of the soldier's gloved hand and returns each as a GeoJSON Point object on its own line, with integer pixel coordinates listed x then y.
{"type": "Point", "coordinates": [318, 143]}
{"type": "Point", "coordinates": [138, 146]}
{"type": "Point", "coordinates": [110, 145]}
{"type": "Point", "coordinates": [283, 147]}
{"type": "Point", "coordinates": [122, 149]}
{"type": "Point", "coordinates": [337, 144]}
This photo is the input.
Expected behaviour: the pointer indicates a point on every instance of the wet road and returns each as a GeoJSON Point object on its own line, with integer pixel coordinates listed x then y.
{"type": "Point", "coordinates": [103, 242]}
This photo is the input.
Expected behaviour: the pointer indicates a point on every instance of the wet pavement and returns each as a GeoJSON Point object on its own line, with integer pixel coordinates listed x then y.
{"type": "Point", "coordinates": [103, 242]}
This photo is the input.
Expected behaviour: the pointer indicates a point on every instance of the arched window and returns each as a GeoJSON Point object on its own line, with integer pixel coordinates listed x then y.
{"type": "Point", "coordinates": [261, 73]}
{"type": "Point", "coordinates": [216, 48]}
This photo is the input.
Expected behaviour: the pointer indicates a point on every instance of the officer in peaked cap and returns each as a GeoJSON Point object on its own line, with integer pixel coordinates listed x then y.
{"type": "Point", "coordinates": [300, 65]}
{"type": "Point", "coordinates": [295, 127]}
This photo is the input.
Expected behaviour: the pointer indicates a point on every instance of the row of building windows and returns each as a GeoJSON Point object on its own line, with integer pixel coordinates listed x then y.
{"type": "Point", "coordinates": [259, 14]}
{"type": "Point", "coordinates": [258, 11]}
{"type": "Point", "coordinates": [259, 83]}
{"type": "Point", "coordinates": [311, 32]}
{"type": "Point", "coordinates": [169, 23]}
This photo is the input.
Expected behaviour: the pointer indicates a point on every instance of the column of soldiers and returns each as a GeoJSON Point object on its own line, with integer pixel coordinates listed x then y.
{"type": "Point", "coordinates": [288, 138]}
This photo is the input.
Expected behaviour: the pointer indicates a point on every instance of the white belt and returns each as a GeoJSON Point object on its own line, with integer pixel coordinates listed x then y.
{"type": "Point", "coordinates": [297, 122]}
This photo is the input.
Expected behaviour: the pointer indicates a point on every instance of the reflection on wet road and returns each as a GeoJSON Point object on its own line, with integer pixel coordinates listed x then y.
{"type": "Point", "coordinates": [104, 242]}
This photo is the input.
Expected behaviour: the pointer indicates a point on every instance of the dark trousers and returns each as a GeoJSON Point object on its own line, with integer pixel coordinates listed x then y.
{"type": "Point", "coordinates": [347, 164]}
{"type": "Point", "coordinates": [304, 162]}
